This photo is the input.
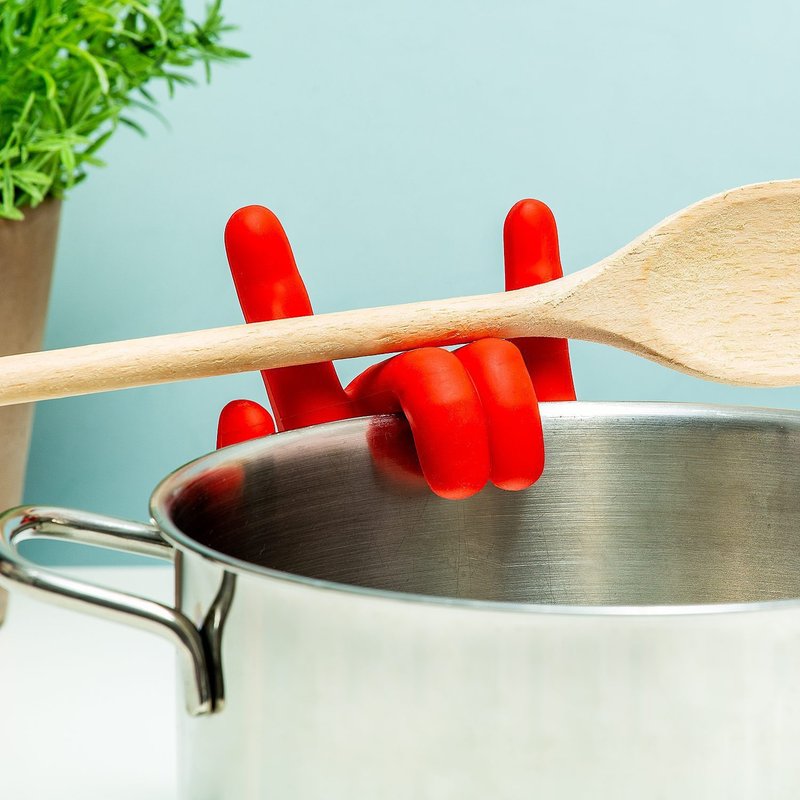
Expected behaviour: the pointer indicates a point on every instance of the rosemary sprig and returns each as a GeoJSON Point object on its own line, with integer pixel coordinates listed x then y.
{"type": "Point", "coordinates": [69, 71]}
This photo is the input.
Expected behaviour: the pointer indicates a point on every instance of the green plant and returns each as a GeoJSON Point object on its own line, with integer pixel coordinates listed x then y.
{"type": "Point", "coordinates": [69, 70]}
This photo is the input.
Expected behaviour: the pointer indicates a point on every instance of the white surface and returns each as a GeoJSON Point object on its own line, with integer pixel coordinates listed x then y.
{"type": "Point", "coordinates": [88, 706]}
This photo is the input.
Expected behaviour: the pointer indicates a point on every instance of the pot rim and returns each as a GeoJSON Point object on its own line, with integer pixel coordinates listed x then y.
{"type": "Point", "coordinates": [576, 409]}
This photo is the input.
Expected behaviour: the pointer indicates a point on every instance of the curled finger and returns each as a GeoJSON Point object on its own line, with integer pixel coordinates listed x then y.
{"type": "Point", "coordinates": [514, 427]}
{"type": "Point", "coordinates": [432, 388]}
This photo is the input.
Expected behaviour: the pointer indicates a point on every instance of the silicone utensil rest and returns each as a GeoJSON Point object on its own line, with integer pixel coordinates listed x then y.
{"type": "Point", "coordinates": [473, 413]}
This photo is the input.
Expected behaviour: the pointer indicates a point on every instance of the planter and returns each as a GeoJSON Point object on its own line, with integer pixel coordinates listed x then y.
{"type": "Point", "coordinates": [27, 251]}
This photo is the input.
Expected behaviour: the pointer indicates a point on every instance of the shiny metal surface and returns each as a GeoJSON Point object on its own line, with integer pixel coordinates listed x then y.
{"type": "Point", "coordinates": [640, 504]}
{"type": "Point", "coordinates": [627, 628]}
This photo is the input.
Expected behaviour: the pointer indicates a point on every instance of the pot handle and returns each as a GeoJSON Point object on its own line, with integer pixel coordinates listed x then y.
{"type": "Point", "coordinates": [19, 574]}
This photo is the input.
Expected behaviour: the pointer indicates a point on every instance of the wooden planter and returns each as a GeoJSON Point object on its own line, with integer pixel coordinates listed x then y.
{"type": "Point", "coordinates": [27, 251]}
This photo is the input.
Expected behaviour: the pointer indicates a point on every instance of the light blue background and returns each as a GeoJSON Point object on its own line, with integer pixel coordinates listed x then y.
{"type": "Point", "coordinates": [391, 138]}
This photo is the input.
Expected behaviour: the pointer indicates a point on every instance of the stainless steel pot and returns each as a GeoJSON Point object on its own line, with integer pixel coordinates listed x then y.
{"type": "Point", "coordinates": [627, 628]}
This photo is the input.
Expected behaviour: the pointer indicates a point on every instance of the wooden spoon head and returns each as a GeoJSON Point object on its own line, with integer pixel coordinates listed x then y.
{"type": "Point", "coordinates": [717, 292]}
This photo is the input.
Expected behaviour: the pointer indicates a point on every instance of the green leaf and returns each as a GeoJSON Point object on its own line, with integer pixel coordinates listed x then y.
{"type": "Point", "coordinates": [96, 145]}
{"type": "Point", "coordinates": [133, 124]}
{"type": "Point", "coordinates": [7, 190]}
{"type": "Point", "coordinates": [50, 84]}
{"type": "Point", "coordinates": [70, 70]}
{"type": "Point", "coordinates": [68, 159]}
{"type": "Point", "coordinates": [102, 78]}
{"type": "Point", "coordinates": [153, 19]}
{"type": "Point", "coordinates": [31, 176]}
{"type": "Point", "coordinates": [95, 162]}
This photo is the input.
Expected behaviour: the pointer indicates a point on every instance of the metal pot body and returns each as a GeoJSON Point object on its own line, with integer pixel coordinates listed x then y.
{"type": "Point", "coordinates": [626, 628]}
{"type": "Point", "coordinates": [342, 696]}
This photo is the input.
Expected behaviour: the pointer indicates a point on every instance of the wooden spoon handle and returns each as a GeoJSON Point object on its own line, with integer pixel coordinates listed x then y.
{"type": "Point", "coordinates": [265, 345]}
{"type": "Point", "coordinates": [713, 290]}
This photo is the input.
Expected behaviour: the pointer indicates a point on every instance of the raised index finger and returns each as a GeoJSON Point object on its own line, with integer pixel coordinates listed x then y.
{"type": "Point", "coordinates": [269, 287]}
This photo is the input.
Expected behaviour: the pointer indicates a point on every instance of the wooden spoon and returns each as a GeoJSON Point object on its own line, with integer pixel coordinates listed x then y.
{"type": "Point", "coordinates": [713, 291]}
